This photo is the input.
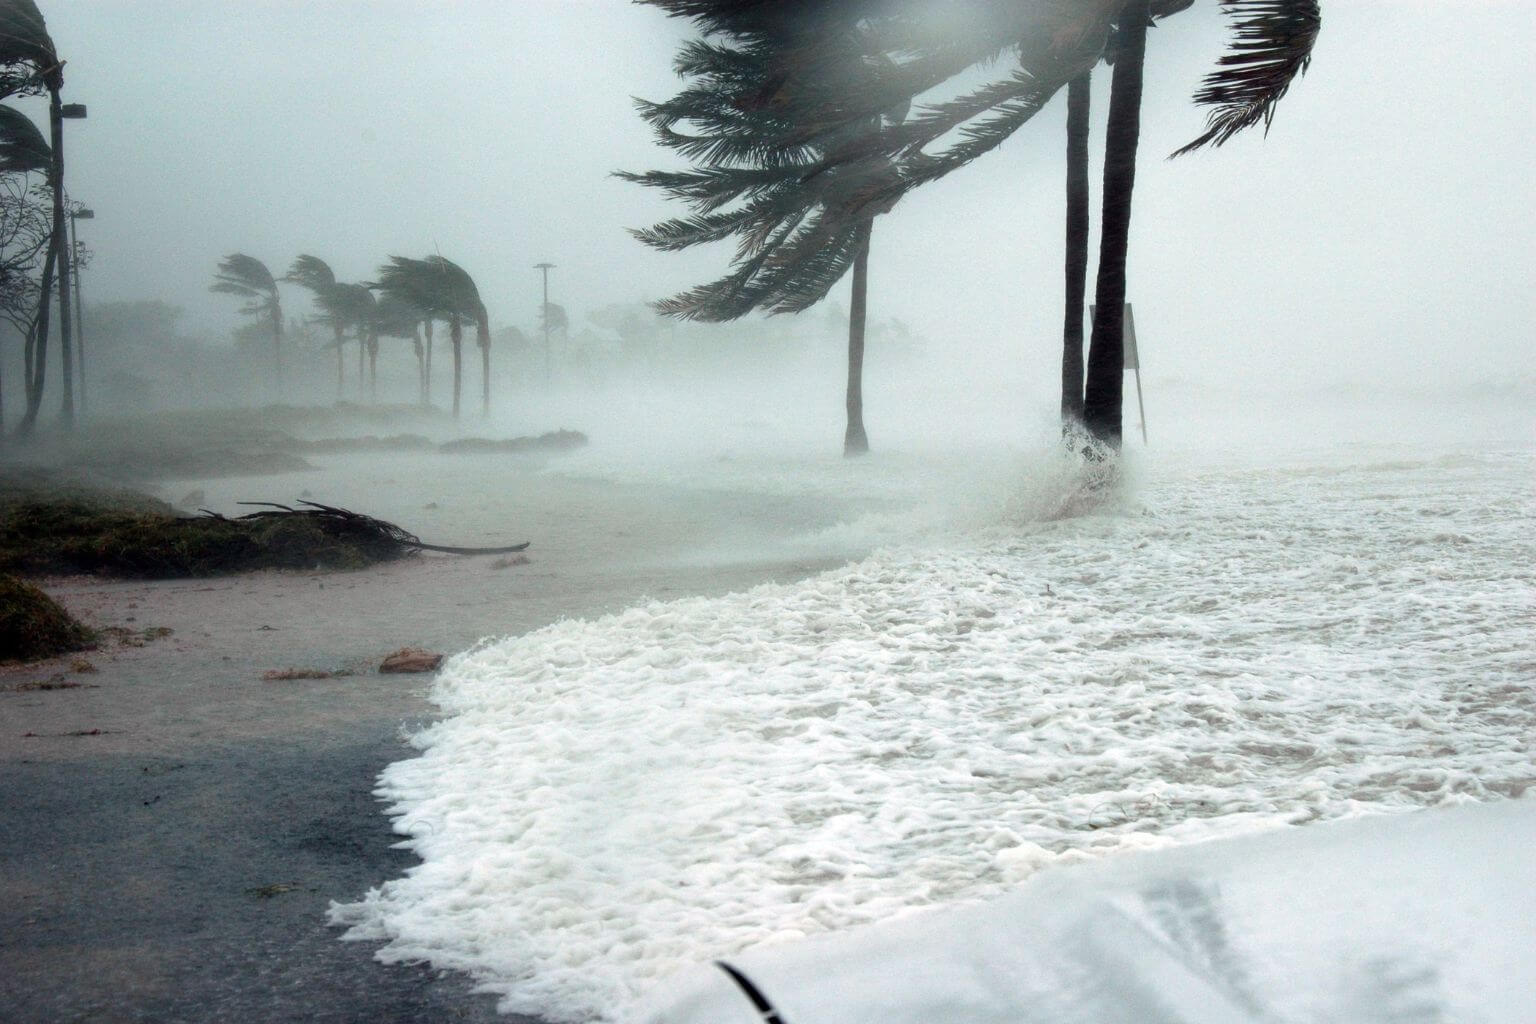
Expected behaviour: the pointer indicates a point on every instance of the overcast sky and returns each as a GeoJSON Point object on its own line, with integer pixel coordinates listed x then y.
{"type": "Point", "coordinates": [1386, 221]}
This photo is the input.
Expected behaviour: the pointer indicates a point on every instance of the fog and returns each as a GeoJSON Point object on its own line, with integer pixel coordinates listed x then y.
{"type": "Point", "coordinates": [1374, 247]}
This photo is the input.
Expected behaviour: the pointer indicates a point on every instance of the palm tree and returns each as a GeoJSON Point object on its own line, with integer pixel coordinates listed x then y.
{"type": "Point", "coordinates": [443, 290]}
{"type": "Point", "coordinates": [793, 241]}
{"type": "Point", "coordinates": [396, 318]}
{"type": "Point", "coordinates": [314, 274]}
{"type": "Point", "coordinates": [249, 278]}
{"type": "Point", "coordinates": [1054, 41]}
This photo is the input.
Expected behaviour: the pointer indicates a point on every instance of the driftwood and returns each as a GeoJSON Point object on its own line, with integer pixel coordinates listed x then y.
{"type": "Point", "coordinates": [343, 521]}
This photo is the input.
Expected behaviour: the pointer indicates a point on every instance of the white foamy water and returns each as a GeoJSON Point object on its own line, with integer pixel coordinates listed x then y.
{"type": "Point", "coordinates": [1226, 648]}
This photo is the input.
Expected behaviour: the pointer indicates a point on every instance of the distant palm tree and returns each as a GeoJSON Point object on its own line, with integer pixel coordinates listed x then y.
{"type": "Point", "coordinates": [314, 274]}
{"type": "Point", "coordinates": [442, 290]}
{"type": "Point", "coordinates": [396, 318]}
{"type": "Point", "coordinates": [249, 278]}
{"type": "Point", "coordinates": [356, 308]}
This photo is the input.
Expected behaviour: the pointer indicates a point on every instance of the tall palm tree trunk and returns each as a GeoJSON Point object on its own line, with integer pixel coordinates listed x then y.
{"type": "Point", "coordinates": [37, 349]}
{"type": "Point", "coordinates": [483, 339]}
{"type": "Point", "coordinates": [362, 358]}
{"type": "Point", "coordinates": [61, 244]}
{"type": "Point", "coordinates": [1079, 91]}
{"type": "Point", "coordinates": [277, 342]}
{"type": "Point", "coordinates": [421, 365]}
{"type": "Point", "coordinates": [341, 364]}
{"type": "Point", "coordinates": [373, 367]}
{"type": "Point", "coordinates": [456, 338]}
{"type": "Point", "coordinates": [855, 441]}
{"type": "Point", "coordinates": [426, 383]}
{"type": "Point", "coordinates": [1106, 353]}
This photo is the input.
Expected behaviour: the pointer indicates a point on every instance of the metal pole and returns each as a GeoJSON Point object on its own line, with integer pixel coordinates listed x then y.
{"type": "Point", "coordinates": [74, 248]}
{"type": "Point", "coordinates": [544, 312]}
{"type": "Point", "coordinates": [1130, 326]}
{"type": "Point", "coordinates": [66, 335]}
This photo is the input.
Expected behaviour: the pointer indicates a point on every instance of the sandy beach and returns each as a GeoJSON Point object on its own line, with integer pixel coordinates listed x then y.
{"type": "Point", "coordinates": [176, 826]}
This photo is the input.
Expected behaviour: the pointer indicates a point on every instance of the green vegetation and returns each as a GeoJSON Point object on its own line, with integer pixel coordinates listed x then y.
{"type": "Point", "coordinates": [33, 625]}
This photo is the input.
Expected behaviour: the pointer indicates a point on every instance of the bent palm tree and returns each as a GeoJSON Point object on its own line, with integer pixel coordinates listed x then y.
{"type": "Point", "coordinates": [396, 318]}
{"type": "Point", "coordinates": [314, 274]}
{"type": "Point", "coordinates": [442, 290]}
{"type": "Point", "coordinates": [752, 182]}
{"type": "Point", "coordinates": [249, 278]}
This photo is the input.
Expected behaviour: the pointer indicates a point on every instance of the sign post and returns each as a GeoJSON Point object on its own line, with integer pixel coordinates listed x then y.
{"type": "Point", "coordinates": [1132, 361]}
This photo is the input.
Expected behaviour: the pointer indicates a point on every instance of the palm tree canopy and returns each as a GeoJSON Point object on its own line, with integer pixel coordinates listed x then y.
{"type": "Point", "coordinates": [311, 272]}
{"type": "Point", "coordinates": [22, 146]}
{"type": "Point", "coordinates": [779, 116]}
{"type": "Point", "coordinates": [28, 61]}
{"type": "Point", "coordinates": [437, 286]}
{"type": "Point", "coordinates": [790, 181]}
{"type": "Point", "coordinates": [249, 278]}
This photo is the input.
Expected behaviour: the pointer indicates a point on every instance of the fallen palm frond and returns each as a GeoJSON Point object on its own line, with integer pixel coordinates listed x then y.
{"type": "Point", "coordinates": [356, 527]}
{"type": "Point", "coordinates": [44, 534]}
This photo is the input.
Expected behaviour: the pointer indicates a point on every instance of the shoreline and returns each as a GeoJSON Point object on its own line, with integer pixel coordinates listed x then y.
{"type": "Point", "coordinates": [176, 826]}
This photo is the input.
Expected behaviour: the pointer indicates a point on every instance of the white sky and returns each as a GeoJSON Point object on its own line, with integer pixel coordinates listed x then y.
{"type": "Point", "coordinates": [1386, 223]}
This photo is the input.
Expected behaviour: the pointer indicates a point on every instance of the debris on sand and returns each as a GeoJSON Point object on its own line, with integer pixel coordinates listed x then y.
{"type": "Point", "coordinates": [276, 674]}
{"type": "Point", "coordinates": [138, 537]}
{"type": "Point", "coordinates": [507, 563]}
{"type": "Point", "coordinates": [411, 659]}
{"type": "Point", "coordinates": [34, 625]}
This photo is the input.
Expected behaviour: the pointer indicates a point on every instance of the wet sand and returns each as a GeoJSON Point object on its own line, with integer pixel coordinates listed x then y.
{"type": "Point", "coordinates": [175, 827]}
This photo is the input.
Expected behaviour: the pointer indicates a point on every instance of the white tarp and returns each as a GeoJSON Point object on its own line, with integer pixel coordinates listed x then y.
{"type": "Point", "coordinates": [1425, 918]}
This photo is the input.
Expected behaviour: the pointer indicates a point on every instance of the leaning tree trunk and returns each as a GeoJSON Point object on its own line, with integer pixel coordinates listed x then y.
{"type": "Point", "coordinates": [426, 380]}
{"type": "Point", "coordinates": [855, 441]}
{"type": "Point", "coordinates": [421, 365]}
{"type": "Point", "coordinates": [1106, 353]}
{"type": "Point", "coordinates": [341, 364]}
{"type": "Point", "coordinates": [37, 350]}
{"type": "Point", "coordinates": [373, 367]}
{"type": "Point", "coordinates": [277, 342]}
{"type": "Point", "coordinates": [1078, 101]}
{"type": "Point", "coordinates": [362, 359]}
{"type": "Point", "coordinates": [483, 339]}
{"type": "Point", "coordinates": [61, 244]}
{"type": "Point", "coordinates": [456, 338]}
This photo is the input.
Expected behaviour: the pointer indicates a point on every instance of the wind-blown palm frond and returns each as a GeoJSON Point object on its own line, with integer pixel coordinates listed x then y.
{"type": "Point", "coordinates": [311, 272]}
{"type": "Point", "coordinates": [249, 278]}
{"type": "Point", "coordinates": [22, 146]}
{"type": "Point", "coordinates": [28, 61]}
{"type": "Point", "coordinates": [1271, 46]}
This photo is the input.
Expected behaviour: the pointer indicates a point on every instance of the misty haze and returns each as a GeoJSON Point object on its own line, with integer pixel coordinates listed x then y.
{"type": "Point", "coordinates": [702, 511]}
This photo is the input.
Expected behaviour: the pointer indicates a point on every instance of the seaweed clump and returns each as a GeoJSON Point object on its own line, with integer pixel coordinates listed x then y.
{"type": "Point", "coordinates": [34, 625]}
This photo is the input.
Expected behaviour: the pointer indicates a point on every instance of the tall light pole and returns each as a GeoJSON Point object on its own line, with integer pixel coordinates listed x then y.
{"type": "Point", "coordinates": [57, 112]}
{"type": "Point", "coordinates": [544, 313]}
{"type": "Point", "coordinates": [79, 213]}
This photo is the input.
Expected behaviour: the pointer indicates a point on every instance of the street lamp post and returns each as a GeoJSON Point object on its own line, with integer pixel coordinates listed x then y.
{"type": "Point", "coordinates": [57, 113]}
{"type": "Point", "coordinates": [544, 311]}
{"type": "Point", "coordinates": [79, 213]}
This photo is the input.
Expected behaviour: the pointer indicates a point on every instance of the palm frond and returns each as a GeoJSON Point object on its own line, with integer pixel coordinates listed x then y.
{"type": "Point", "coordinates": [28, 60]}
{"type": "Point", "coordinates": [22, 146]}
{"type": "Point", "coordinates": [1271, 46]}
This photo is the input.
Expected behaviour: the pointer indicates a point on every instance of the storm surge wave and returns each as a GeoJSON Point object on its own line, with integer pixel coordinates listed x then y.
{"type": "Point", "coordinates": [1236, 649]}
